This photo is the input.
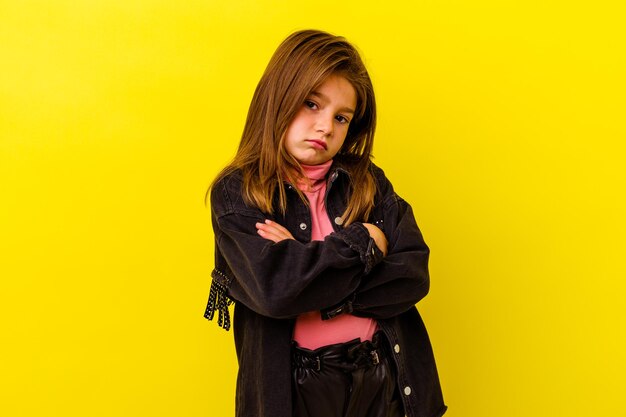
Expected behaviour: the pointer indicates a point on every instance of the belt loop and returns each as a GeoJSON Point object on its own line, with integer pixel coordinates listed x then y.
{"type": "Point", "coordinates": [318, 364]}
{"type": "Point", "coordinates": [375, 359]}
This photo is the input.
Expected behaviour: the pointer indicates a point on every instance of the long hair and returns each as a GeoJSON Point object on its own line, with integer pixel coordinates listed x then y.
{"type": "Point", "coordinates": [301, 63]}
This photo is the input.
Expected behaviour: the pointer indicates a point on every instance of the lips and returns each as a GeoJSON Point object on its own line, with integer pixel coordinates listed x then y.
{"type": "Point", "coordinates": [319, 144]}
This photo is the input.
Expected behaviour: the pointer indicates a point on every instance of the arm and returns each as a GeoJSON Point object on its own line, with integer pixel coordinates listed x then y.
{"type": "Point", "coordinates": [398, 282]}
{"type": "Point", "coordinates": [275, 232]}
{"type": "Point", "coordinates": [401, 279]}
{"type": "Point", "coordinates": [289, 277]}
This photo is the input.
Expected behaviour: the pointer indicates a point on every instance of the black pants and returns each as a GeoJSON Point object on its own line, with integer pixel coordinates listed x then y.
{"type": "Point", "coordinates": [350, 379]}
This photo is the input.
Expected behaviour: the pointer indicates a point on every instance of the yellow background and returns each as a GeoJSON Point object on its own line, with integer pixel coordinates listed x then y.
{"type": "Point", "coordinates": [501, 122]}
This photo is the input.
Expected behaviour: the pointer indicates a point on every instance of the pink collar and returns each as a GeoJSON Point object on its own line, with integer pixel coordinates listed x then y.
{"type": "Point", "coordinates": [315, 174]}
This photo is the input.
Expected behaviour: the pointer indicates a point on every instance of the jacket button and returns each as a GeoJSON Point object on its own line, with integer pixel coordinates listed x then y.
{"type": "Point", "coordinates": [407, 390]}
{"type": "Point", "coordinates": [396, 348]}
{"type": "Point", "coordinates": [338, 221]}
{"type": "Point", "coordinates": [303, 226]}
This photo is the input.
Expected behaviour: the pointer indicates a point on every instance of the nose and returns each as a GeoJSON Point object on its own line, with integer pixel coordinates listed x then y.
{"type": "Point", "coordinates": [324, 124]}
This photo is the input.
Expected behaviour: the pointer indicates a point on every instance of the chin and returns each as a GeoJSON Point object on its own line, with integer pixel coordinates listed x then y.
{"type": "Point", "coordinates": [313, 162]}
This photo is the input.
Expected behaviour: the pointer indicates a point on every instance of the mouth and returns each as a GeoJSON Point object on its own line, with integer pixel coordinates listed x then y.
{"type": "Point", "coordinates": [319, 144]}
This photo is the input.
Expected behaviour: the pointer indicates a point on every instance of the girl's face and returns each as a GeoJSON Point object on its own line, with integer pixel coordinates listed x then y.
{"type": "Point", "coordinates": [319, 129]}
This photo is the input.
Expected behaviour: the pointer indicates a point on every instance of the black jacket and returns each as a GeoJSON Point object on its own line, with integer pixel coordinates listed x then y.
{"type": "Point", "coordinates": [272, 283]}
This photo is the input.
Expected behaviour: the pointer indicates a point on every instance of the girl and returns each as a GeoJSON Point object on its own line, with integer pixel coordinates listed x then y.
{"type": "Point", "coordinates": [323, 260]}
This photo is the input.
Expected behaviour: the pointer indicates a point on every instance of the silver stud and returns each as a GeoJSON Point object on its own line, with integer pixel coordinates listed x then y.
{"type": "Point", "coordinates": [407, 390]}
{"type": "Point", "coordinates": [396, 348]}
{"type": "Point", "coordinates": [303, 226]}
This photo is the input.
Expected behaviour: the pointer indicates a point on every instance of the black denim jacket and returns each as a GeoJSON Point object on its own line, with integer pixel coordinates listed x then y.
{"type": "Point", "coordinates": [272, 283]}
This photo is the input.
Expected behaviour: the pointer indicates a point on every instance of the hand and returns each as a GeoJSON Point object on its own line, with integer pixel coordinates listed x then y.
{"type": "Point", "coordinates": [273, 231]}
{"type": "Point", "coordinates": [378, 236]}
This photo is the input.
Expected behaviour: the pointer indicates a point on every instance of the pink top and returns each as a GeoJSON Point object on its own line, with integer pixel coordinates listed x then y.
{"type": "Point", "coordinates": [311, 332]}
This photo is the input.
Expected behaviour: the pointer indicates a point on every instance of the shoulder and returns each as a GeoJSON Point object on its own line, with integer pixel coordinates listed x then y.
{"type": "Point", "coordinates": [227, 194]}
{"type": "Point", "coordinates": [384, 188]}
{"type": "Point", "coordinates": [377, 173]}
{"type": "Point", "coordinates": [228, 182]}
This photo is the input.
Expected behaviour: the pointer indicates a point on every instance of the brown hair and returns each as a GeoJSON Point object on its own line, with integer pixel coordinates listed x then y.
{"type": "Point", "coordinates": [301, 63]}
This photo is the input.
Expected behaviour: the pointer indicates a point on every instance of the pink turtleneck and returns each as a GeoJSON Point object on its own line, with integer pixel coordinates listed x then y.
{"type": "Point", "coordinates": [311, 332]}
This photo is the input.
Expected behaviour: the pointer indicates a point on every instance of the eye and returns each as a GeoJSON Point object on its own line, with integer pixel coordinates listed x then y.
{"type": "Point", "coordinates": [342, 119]}
{"type": "Point", "coordinates": [310, 104]}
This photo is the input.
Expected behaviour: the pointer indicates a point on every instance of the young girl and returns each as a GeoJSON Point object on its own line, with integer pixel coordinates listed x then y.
{"type": "Point", "coordinates": [323, 260]}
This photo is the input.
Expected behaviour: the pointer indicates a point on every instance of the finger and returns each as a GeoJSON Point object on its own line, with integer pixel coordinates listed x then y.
{"type": "Point", "coordinates": [268, 236]}
{"type": "Point", "coordinates": [273, 233]}
{"type": "Point", "coordinates": [283, 234]}
{"type": "Point", "coordinates": [280, 228]}
{"type": "Point", "coordinates": [276, 229]}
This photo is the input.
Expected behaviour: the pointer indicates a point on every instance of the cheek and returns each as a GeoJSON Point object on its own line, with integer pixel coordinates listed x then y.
{"type": "Point", "coordinates": [339, 141]}
{"type": "Point", "coordinates": [343, 134]}
{"type": "Point", "coordinates": [292, 130]}
{"type": "Point", "coordinates": [299, 120]}
{"type": "Point", "coordinates": [343, 139]}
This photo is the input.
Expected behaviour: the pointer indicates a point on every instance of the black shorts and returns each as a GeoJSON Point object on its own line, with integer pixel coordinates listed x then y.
{"type": "Point", "coordinates": [350, 379]}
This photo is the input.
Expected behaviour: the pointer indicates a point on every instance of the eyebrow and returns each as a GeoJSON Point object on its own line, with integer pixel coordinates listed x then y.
{"type": "Point", "coordinates": [323, 97]}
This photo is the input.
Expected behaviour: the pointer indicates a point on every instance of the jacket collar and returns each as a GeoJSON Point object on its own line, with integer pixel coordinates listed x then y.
{"type": "Point", "coordinates": [335, 171]}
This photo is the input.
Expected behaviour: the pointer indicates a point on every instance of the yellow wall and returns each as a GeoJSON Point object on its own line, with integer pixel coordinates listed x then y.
{"type": "Point", "coordinates": [502, 122]}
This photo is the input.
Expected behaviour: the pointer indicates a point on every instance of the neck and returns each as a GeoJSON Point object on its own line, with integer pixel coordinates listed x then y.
{"type": "Point", "coordinates": [317, 171]}
{"type": "Point", "coordinates": [314, 175]}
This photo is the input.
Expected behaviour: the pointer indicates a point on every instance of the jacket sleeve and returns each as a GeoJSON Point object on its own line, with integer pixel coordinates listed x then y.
{"type": "Point", "coordinates": [284, 279]}
{"type": "Point", "coordinates": [398, 282]}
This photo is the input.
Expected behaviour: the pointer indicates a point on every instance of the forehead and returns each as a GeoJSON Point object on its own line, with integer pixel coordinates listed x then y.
{"type": "Point", "coordinates": [338, 90]}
